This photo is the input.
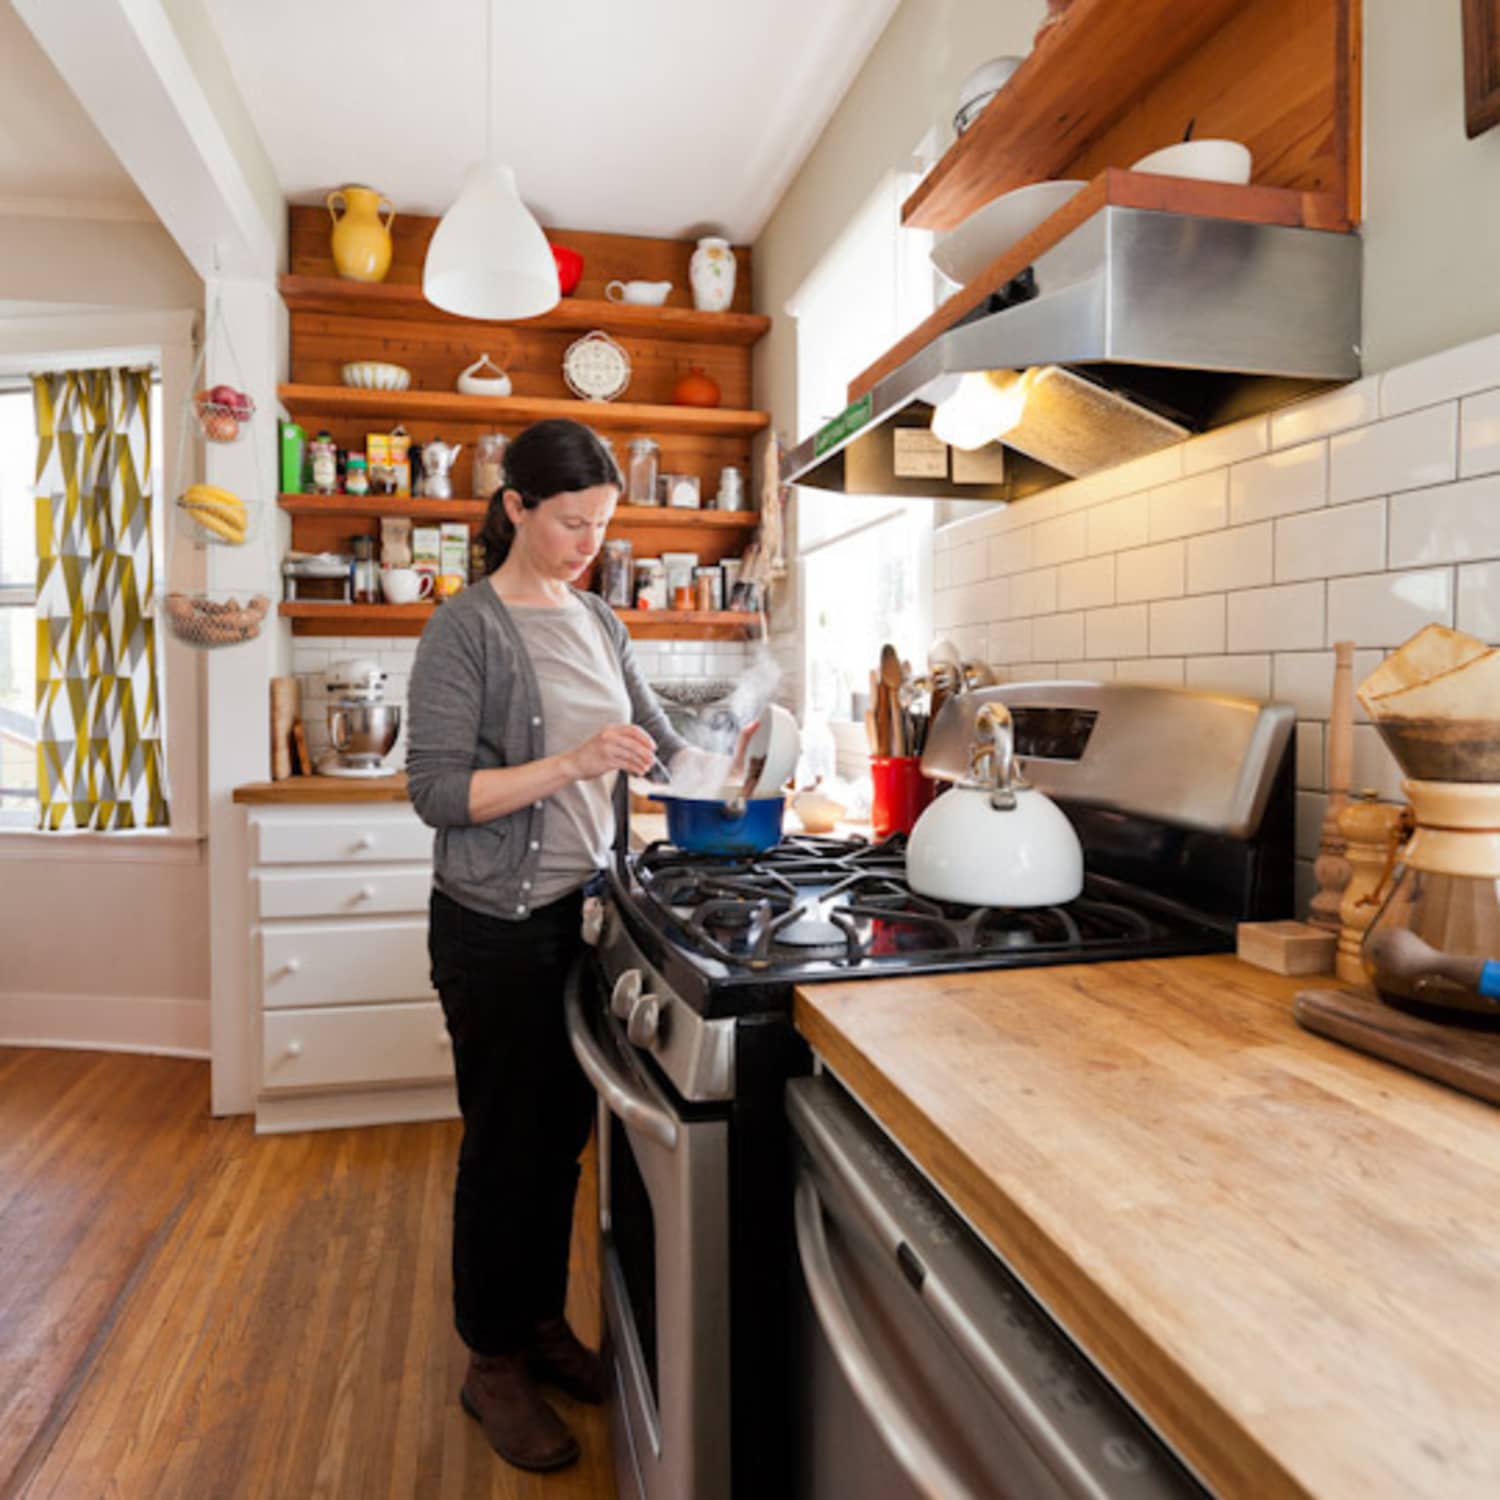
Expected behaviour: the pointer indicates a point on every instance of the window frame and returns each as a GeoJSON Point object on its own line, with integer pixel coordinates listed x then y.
{"type": "Point", "coordinates": [164, 340]}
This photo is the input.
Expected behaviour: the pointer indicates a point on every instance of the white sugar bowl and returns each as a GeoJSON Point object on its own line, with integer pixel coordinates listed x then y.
{"type": "Point", "coordinates": [473, 382]}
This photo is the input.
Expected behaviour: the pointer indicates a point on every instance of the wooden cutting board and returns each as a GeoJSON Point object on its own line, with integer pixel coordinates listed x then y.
{"type": "Point", "coordinates": [1465, 1058]}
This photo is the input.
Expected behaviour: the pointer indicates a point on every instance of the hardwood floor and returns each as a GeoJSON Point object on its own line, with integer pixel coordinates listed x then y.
{"type": "Point", "coordinates": [187, 1309]}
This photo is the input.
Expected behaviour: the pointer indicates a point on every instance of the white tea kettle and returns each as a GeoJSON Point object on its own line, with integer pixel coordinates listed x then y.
{"type": "Point", "coordinates": [993, 840]}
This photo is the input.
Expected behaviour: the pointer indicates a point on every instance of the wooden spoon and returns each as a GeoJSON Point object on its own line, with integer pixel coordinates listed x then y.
{"type": "Point", "coordinates": [890, 681]}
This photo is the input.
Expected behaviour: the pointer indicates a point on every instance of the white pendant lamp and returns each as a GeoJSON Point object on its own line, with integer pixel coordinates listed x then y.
{"type": "Point", "coordinates": [488, 257]}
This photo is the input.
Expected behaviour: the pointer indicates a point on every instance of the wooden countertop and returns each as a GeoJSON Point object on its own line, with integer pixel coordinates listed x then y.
{"type": "Point", "coordinates": [1286, 1253]}
{"type": "Point", "coordinates": [302, 791]}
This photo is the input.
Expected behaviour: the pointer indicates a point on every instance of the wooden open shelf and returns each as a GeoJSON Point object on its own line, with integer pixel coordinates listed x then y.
{"type": "Point", "coordinates": [358, 507]}
{"type": "Point", "coordinates": [404, 302]}
{"type": "Point", "coordinates": [316, 618]}
{"type": "Point", "coordinates": [1113, 81]}
{"type": "Point", "coordinates": [517, 411]}
{"type": "Point", "coordinates": [1218, 200]}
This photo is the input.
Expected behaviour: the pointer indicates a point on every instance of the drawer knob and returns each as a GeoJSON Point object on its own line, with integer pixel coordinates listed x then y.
{"type": "Point", "coordinates": [365, 893]}
{"type": "Point", "coordinates": [294, 1049]}
{"type": "Point", "coordinates": [291, 966]}
{"type": "Point", "coordinates": [364, 841]}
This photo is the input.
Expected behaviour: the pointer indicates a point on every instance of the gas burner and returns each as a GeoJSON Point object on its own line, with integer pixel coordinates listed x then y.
{"type": "Point", "coordinates": [809, 932]}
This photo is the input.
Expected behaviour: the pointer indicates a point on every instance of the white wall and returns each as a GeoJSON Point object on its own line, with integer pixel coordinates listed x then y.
{"type": "Point", "coordinates": [104, 940]}
{"type": "Point", "coordinates": [1234, 562]}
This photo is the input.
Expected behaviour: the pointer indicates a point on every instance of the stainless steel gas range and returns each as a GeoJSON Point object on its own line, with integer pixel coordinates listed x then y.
{"type": "Point", "coordinates": [681, 1016]}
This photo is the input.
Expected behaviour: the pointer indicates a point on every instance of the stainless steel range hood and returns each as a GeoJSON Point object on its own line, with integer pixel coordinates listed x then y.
{"type": "Point", "coordinates": [1138, 329]}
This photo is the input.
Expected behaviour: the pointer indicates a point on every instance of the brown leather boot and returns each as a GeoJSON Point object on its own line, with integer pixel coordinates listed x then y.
{"type": "Point", "coordinates": [522, 1428]}
{"type": "Point", "coordinates": [555, 1355]}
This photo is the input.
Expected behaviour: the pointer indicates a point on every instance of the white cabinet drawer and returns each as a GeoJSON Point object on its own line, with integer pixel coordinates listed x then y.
{"type": "Point", "coordinates": [306, 1049]}
{"type": "Point", "coordinates": [378, 835]}
{"type": "Point", "coordinates": [344, 963]}
{"type": "Point", "coordinates": [365, 891]}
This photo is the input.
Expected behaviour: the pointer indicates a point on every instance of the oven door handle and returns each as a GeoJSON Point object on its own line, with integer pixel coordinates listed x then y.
{"type": "Point", "coordinates": [613, 1087]}
{"type": "Point", "coordinates": [924, 1465]}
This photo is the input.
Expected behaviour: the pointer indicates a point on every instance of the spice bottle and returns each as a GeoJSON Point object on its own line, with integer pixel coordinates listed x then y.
{"type": "Point", "coordinates": [645, 458]}
{"type": "Point", "coordinates": [366, 571]}
{"type": "Point", "coordinates": [324, 456]}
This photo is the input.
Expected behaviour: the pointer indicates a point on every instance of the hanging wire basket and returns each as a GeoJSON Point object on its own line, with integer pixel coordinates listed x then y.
{"type": "Point", "coordinates": [222, 414]}
{"type": "Point", "coordinates": [213, 516]}
{"type": "Point", "coordinates": [207, 619]}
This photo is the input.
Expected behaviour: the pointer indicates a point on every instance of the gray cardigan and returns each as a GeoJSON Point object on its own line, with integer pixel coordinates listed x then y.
{"type": "Point", "coordinates": [473, 704]}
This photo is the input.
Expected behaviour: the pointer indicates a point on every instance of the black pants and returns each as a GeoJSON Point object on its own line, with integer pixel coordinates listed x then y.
{"type": "Point", "coordinates": [526, 1108]}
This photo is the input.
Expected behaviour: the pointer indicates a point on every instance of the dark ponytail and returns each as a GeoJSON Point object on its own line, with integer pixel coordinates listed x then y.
{"type": "Point", "coordinates": [548, 458]}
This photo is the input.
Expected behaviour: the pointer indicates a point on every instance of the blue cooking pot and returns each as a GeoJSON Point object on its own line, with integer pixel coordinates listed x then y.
{"type": "Point", "coordinates": [707, 826]}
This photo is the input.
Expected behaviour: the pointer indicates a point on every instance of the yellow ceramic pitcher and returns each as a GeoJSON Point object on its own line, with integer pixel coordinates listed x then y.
{"type": "Point", "coordinates": [361, 239]}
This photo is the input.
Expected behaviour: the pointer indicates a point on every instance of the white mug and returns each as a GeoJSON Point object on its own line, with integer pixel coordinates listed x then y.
{"type": "Point", "coordinates": [645, 293]}
{"type": "Point", "coordinates": [405, 585]}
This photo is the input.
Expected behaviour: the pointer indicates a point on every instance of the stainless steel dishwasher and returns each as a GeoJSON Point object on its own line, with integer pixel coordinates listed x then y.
{"type": "Point", "coordinates": [922, 1365]}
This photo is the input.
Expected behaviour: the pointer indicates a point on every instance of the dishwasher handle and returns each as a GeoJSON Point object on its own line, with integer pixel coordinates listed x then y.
{"type": "Point", "coordinates": [924, 1465]}
{"type": "Point", "coordinates": [612, 1085]}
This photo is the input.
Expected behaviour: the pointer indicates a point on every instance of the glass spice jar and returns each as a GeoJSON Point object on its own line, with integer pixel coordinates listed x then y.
{"type": "Point", "coordinates": [366, 571]}
{"type": "Point", "coordinates": [489, 464]}
{"type": "Point", "coordinates": [323, 454]}
{"type": "Point", "coordinates": [356, 475]}
{"type": "Point", "coordinates": [645, 459]}
{"type": "Point", "coordinates": [616, 574]}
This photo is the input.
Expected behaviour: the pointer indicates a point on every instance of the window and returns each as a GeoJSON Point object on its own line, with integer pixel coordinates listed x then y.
{"type": "Point", "coordinates": [865, 559]}
{"type": "Point", "coordinates": [18, 724]}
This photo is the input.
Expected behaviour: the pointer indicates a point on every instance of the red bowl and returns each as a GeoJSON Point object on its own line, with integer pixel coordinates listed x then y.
{"type": "Point", "coordinates": [569, 268]}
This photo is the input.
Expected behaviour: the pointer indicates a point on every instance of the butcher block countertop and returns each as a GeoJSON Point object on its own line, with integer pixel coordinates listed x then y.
{"type": "Point", "coordinates": [304, 791]}
{"type": "Point", "coordinates": [1285, 1253]}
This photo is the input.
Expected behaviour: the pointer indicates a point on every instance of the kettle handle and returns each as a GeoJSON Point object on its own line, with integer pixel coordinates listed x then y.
{"type": "Point", "coordinates": [993, 758]}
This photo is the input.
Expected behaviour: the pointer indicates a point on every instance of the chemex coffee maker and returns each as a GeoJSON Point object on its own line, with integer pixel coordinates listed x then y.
{"type": "Point", "coordinates": [362, 726]}
{"type": "Point", "coordinates": [1435, 943]}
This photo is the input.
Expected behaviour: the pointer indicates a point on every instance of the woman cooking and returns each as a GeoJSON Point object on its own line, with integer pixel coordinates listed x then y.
{"type": "Point", "coordinates": [525, 702]}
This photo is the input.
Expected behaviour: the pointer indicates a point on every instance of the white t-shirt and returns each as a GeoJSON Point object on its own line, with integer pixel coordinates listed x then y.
{"type": "Point", "coordinates": [582, 691]}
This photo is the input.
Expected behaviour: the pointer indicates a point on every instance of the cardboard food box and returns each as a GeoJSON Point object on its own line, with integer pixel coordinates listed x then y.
{"type": "Point", "coordinates": [453, 559]}
{"type": "Point", "coordinates": [426, 547]}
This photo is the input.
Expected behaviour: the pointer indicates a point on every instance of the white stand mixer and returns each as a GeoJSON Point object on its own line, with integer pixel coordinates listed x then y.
{"type": "Point", "coordinates": [362, 726]}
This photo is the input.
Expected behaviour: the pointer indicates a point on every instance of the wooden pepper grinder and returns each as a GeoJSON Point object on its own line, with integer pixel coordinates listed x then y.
{"type": "Point", "coordinates": [1331, 868]}
{"type": "Point", "coordinates": [1373, 832]}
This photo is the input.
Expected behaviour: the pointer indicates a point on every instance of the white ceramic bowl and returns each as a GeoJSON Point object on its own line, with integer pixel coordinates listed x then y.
{"type": "Point", "coordinates": [1208, 161]}
{"type": "Point", "coordinates": [989, 232]}
{"type": "Point", "coordinates": [777, 739]}
{"type": "Point", "coordinates": [980, 87]}
{"type": "Point", "coordinates": [374, 375]}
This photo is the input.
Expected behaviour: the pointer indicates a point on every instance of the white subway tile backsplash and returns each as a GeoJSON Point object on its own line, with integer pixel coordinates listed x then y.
{"type": "Point", "coordinates": [1086, 671]}
{"type": "Point", "coordinates": [1242, 676]}
{"type": "Point", "coordinates": [1305, 680]}
{"type": "Point", "coordinates": [1033, 671]}
{"type": "Point", "coordinates": [1403, 453]}
{"type": "Point", "coordinates": [1188, 627]}
{"type": "Point", "coordinates": [997, 599]}
{"type": "Point", "coordinates": [972, 641]}
{"type": "Point", "coordinates": [1227, 445]}
{"type": "Point", "coordinates": [1479, 600]}
{"type": "Point", "coordinates": [1441, 377]}
{"type": "Point", "coordinates": [1058, 636]}
{"type": "Point", "coordinates": [1350, 406]}
{"type": "Point", "coordinates": [1291, 480]}
{"type": "Point", "coordinates": [972, 604]}
{"type": "Point", "coordinates": [1190, 506]}
{"type": "Point", "coordinates": [942, 567]}
{"type": "Point", "coordinates": [1328, 543]}
{"type": "Point", "coordinates": [1151, 572]}
{"type": "Point", "coordinates": [1312, 774]}
{"type": "Point", "coordinates": [969, 563]}
{"type": "Point", "coordinates": [1286, 618]}
{"type": "Point", "coordinates": [1087, 584]}
{"type": "Point", "coordinates": [1385, 608]}
{"type": "Point", "coordinates": [1456, 523]}
{"type": "Point", "coordinates": [1060, 540]}
{"type": "Point", "coordinates": [1120, 524]}
{"type": "Point", "coordinates": [1164, 671]}
{"type": "Point", "coordinates": [1034, 593]}
{"type": "Point", "coordinates": [1122, 631]}
{"type": "Point", "coordinates": [1154, 469]}
{"type": "Point", "coordinates": [1240, 558]}
{"type": "Point", "coordinates": [1479, 435]}
{"type": "Point", "coordinates": [945, 608]}
{"type": "Point", "coordinates": [1011, 552]}
{"type": "Point", "coordinates": [1011, 641]}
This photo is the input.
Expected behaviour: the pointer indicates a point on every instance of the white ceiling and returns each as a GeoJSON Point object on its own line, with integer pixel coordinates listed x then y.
{"type": "Point", "coordinates": [650, 117]}
{"type": "Point", "coordinates": [52, 159]}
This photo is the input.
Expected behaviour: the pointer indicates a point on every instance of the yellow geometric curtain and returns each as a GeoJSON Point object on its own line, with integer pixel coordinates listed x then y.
{"type": "Point", "coordinates": [99, 747]}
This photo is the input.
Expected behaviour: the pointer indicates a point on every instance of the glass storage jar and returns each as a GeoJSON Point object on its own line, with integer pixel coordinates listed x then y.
{"type": "Point", "coordinates": [616, 580]}
{"type": "Point", "coordinates": [645, 459]}
{"type": "Point", "coordinates": [489, 464]}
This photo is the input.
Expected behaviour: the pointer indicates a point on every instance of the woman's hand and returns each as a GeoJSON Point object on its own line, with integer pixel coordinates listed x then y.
{"type": "Point", "coordinates": [617, 747]}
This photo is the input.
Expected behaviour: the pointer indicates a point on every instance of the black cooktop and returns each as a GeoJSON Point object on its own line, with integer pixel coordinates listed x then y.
{"type": "Point", "coordinates": [737, 932]}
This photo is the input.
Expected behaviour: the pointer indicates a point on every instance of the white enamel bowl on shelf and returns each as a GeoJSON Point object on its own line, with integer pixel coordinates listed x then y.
{"type": "Point", "coordinates": [989, 232]}
{"type": "Point", "coordinates": [1207, 161]}
{"type": "Point", "coordinates": [375, 375]}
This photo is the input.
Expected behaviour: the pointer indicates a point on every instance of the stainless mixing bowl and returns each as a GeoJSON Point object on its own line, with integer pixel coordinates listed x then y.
{"type": "Point", "coordinates": [363, 733]}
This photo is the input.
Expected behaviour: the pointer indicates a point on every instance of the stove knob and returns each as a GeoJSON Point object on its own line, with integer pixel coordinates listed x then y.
{"type": "Point", "coordinates": [626, 992]}
{"type": "Point", "coordinates": [645, 1021]}
{"type": "Point", "coordinates": [593, 920]}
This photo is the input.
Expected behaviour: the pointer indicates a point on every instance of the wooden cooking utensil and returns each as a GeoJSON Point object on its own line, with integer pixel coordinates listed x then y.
{"type": "Point", "coordinates": [890, 682]}
{"type": "Point", "coordinates": [882, 714]}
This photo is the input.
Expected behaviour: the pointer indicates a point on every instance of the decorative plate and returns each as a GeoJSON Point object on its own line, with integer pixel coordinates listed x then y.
{"type": "Point", "coordinates": [596, 367]}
